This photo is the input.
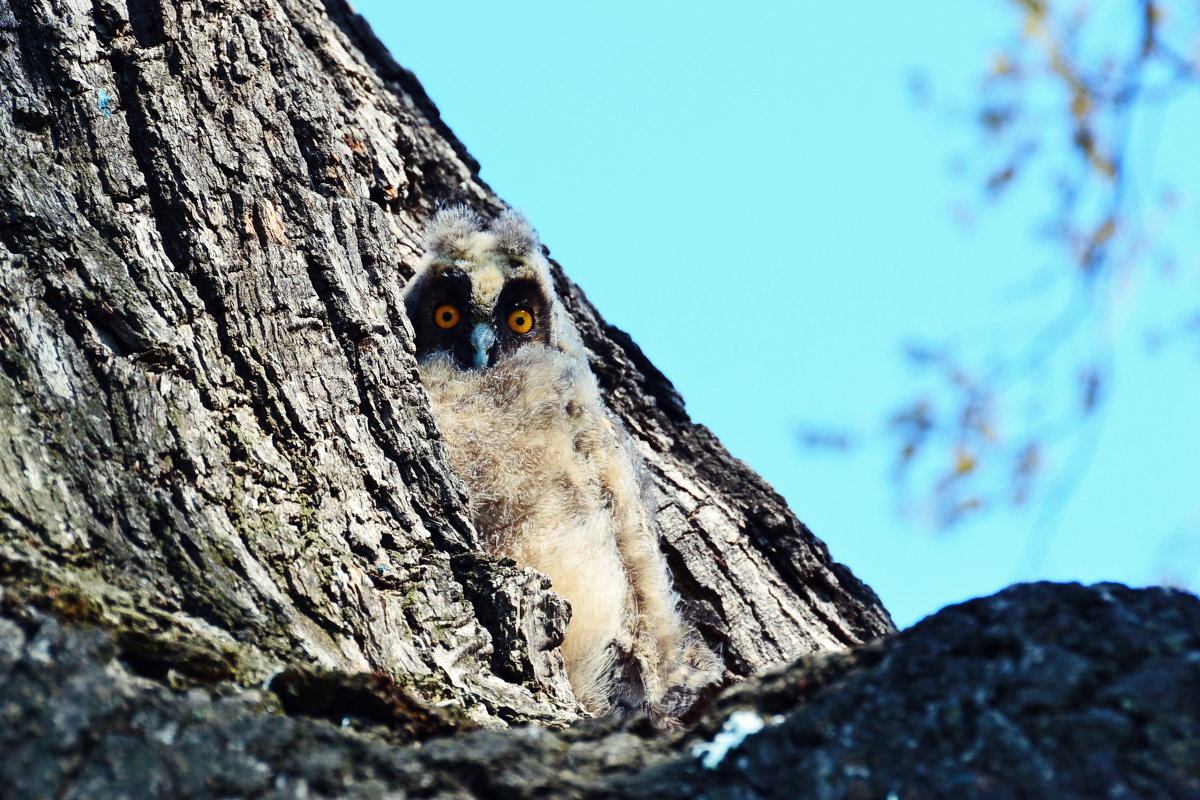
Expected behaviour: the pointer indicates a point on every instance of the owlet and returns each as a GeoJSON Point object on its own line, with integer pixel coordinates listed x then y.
{"type": "Point", "coordinates": [551, 475]}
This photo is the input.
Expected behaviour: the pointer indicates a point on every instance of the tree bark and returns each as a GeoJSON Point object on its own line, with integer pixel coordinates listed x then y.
{"type": "Point", "coordinates": [215, 444]}
{"type": "Point", "coordinates": [1041, 691]}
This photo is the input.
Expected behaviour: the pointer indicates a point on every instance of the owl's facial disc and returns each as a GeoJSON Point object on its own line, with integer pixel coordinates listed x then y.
{"type": "Point", "coordinates": [454, 318]}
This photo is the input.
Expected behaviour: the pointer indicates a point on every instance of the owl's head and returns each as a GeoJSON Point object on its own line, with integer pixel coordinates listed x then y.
{"type": "Point", "coordinates": [481, 293]}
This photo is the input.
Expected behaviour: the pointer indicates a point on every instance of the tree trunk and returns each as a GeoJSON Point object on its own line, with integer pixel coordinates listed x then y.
{"type": "Point", "coordinates": [215, 444]}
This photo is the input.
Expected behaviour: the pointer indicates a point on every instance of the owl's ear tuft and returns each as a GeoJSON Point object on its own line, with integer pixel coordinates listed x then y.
{"type": "Point", "coordinates": [514, 235]}
{"type": "Point", "coordinates": [450, 231]}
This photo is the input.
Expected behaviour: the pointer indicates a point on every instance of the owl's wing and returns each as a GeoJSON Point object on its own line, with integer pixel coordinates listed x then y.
{"type": "Point", "coordinates": [672, 655]}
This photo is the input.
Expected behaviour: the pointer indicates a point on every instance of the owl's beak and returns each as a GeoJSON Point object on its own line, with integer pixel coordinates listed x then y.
{"type": "Point", "coordinates": [482, 340]}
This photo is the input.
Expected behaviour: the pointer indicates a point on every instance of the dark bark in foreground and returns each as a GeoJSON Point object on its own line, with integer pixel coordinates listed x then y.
{"type": "Point", "coordinates": [214, 442]}
{"type": "Point", "coordinates": [1046, 691]}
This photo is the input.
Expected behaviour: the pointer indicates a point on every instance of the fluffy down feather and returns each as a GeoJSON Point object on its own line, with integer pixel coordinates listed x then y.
{"type": "Point", "coordinates": [553, 485]}
{"type": "Point", "coordinates": [451, 231]}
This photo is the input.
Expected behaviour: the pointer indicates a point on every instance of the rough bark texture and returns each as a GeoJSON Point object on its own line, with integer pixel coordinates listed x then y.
{"type": "Point", "coordinates": [234, 562]}
{"type": "Point", "coordinates": [1042, 691]}
{"type": "Point", "coordinates": [215, 444]}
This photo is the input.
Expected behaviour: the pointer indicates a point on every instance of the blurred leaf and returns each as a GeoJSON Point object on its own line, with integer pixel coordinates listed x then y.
{"type": "Point", "coordinates": [1090, 381]}
{"type": "Point", "coordinates": [921, 354]}
{"type": "Point", "coordinates": [1001, 179]}
{"type": "Point", "coordinates": [1093, 251]}
{"type": "Point", "coordinates": [1035, 12]}
{"type": "Point", "coordinates": [815, 439]}
{"type": "Point", "coordinates": [995, 118]}
{"type": "Point", "coordinates": [1081, 103]}
{"type": "Point", "coordinates": [1001, 65]}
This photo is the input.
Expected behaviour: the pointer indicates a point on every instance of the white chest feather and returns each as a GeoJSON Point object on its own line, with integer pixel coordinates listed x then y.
{"type": "Point", "coordinates": [553, 486]}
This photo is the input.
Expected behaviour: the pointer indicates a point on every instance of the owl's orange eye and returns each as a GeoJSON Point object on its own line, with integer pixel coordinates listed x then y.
{"type": "Point", "coordinates": [446, 316]}
{"type": "Point", "coordinates": [521, 321]}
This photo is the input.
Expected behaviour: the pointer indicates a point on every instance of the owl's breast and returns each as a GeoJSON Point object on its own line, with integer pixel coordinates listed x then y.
{"type": "Point", "coordinates": [524, 437]}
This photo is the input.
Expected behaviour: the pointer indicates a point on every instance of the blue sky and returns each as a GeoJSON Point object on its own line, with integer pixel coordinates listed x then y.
{"type": "Point", "coordinates": [758, 201]}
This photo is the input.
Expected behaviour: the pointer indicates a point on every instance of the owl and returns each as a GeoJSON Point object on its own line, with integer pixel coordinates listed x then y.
{"type": "Point", "coordinates": [551, 476]}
